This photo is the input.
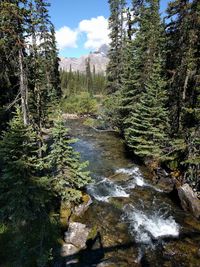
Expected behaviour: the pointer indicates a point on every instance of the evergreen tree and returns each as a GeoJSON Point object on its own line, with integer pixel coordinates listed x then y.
{"type": "Point", "coordinates": [68, 174]}
{"type": "Point", "coordinates": [183, 85]}
{"type": "Point", "coordinates": [116, 26]}
{"type": "Point", "coordinates": [89, 83]}
{"type": "Point", "coordinates": [141, 51]}
{"type": "Point", "coordinates": [25, 196]}
{"type": "Point", "coordinates": [147, 124]}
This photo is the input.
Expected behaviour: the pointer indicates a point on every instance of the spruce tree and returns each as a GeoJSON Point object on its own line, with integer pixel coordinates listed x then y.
{"type": "Point", "coordinates": [183, 85]}
{"type": "Point", "coordinates": [114, 68]}
{"type": "Point", "coordinates": [146, 126]}
{"type": "Point", "coordinates": [143, 46]}
{"type": "Point", "coordinates": [25, 196]}
{"type": "Point", "coordinates": [68, 174]}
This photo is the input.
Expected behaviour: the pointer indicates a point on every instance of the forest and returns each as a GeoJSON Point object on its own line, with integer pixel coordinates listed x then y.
{"type": "Point", "coordinates": [149, 95]}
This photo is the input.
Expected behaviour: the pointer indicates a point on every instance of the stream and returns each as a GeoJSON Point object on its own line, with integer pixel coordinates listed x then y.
{"type": "Point", "coordinates": [137, 224]}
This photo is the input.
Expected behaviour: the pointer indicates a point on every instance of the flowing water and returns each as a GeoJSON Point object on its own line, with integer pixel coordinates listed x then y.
{"type": "Point", "coordinates": [137, 223]}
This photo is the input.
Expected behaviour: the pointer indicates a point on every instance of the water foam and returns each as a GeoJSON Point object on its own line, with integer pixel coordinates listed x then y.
{"type": "Point", "coordinates": [146, 228]}
{"type": "Point", "coordinates": [136, 176]}
{"type": "Point", "coordinates": [128, 171]}
{"type": "Point", "coordinates": [104, 189]}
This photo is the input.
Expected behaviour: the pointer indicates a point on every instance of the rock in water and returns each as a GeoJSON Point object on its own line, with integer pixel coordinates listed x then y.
{"type": "Point", "coordinates": [77, 234]}
{"type": "Point", "coordinates": [189, 201]}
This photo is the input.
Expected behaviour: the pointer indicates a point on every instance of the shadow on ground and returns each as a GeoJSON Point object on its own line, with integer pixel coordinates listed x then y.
{"type": "Point", "coordinates": [93, 254]}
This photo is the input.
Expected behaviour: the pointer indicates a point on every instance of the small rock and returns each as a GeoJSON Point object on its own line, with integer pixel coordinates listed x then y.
{"type": "Point", "coordinates": [68, 249]}
{"type": "Point", "coordinates": [77, 234]}
{"type": "Point", "coordinates": [189, 201]}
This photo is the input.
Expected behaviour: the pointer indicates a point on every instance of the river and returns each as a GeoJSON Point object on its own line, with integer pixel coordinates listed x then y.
{"type": "Point", "coordinates": [137, 224]}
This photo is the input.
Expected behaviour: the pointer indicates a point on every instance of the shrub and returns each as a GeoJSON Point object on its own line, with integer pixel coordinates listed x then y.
{"type": "Point", "coordinates": [80, 104]}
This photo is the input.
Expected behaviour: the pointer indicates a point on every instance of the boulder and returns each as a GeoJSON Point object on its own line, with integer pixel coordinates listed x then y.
{"type": "Point", "coordinates": [189, 200]}
{"type": "Point", "coordinates": [77, 234]}
{"type": "Point", "coordinates": [164, 181]}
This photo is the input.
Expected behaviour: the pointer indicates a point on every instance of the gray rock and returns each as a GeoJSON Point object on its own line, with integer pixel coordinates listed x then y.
{"type": "Point", "coordinates": [77, 234]}
{"type": "Point", "coordinates": [166, 184]}
{"type": "Point", "coordinates": [164, 181]}
{"type": "Point", "coordinates": [189, 200]}
{"type": "Point", "coordinates": [80, 209]}
{"type": "Point", "coordinates": [68, 250]}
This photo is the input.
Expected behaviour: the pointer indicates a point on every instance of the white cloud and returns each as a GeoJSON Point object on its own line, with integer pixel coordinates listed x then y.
{"type": "Point", "coordinates": [66, 38]}
{"type": "Point", "coordinates": [96, 30]}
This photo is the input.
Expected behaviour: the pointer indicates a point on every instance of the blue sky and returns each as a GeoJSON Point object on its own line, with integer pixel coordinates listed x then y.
{"type": "Point", "coordinates": [81, 25]}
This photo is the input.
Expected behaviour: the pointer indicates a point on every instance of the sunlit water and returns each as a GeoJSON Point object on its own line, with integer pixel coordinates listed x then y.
{"type": "Point", "coordinates": [136, 220]}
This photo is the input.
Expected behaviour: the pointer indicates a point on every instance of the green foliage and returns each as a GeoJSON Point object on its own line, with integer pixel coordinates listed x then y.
{"type": "Point", "coordinates": [111, 109]}
{"type": "Point", "coordinates": [25, 196]}
{"type": "Point", "coordinates": [183, 82]}
{"type": "Point", "coordinates": [117, 33]}
{"type": "Point", "coordinates": [80, 104]}
{"type": "Point", "coordinates": [90, 122]}
{"type": "Point", "coordinates": [68, 175]}
{"type": "Point", "coordinates": [147, 125]}
{"type": "Point", "coordinates": [73, 83]}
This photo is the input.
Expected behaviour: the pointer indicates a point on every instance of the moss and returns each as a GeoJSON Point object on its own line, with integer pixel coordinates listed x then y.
{"type": "Point", "coordinates": [85, 198]}
{"type": "Point", "coordinates": [65, 213]}
{"type": "Point", "coordinates": [93, 233]}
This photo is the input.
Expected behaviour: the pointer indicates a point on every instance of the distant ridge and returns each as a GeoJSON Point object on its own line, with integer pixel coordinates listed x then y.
{"type": "Point", "coordinates": [98, 59]}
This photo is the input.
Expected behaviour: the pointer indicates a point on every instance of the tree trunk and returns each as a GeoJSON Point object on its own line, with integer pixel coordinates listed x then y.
{"type": "Point", "coordinates": [23, 89]}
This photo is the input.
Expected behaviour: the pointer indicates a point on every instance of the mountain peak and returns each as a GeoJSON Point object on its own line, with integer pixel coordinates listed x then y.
{"type": "Point", "coordinates": [98, 59]}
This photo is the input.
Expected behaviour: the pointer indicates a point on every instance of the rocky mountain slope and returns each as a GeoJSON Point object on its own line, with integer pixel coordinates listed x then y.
{"type": "Point", "coordinates": [98, 59]}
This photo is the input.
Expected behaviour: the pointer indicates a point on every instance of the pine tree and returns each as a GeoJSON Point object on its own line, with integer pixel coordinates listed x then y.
{"type": "Point", "coordinates": [13, 30]}
{"type": "Point", "coordinates": [89, 82]}
{"type": "Point", "coordinates": [183, 85]}
{"type": "Point", "coordinates": [67, 172]}
{"type": "Point", "coordinates": [141, 51]}
{"type": "Point", "coordinates": [178, 60]}
{"type": "Point", "coordinates": [147, 124]}
{"type": "Point", "coordinates": [115, 66]}
{"type": "Point", "coordinates": [25, 195]}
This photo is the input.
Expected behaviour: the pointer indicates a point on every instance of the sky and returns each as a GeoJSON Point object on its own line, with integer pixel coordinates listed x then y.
{"type": "Point", "coordinates": [81, 25]}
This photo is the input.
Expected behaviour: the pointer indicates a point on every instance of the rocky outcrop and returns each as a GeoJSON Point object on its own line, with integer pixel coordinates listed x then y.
{"type": "Point", "coordinates": [189, 200]}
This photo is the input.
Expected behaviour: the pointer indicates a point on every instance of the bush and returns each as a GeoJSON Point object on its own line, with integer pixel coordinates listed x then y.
{"type": "Point", "coordinates": [80, 104]}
